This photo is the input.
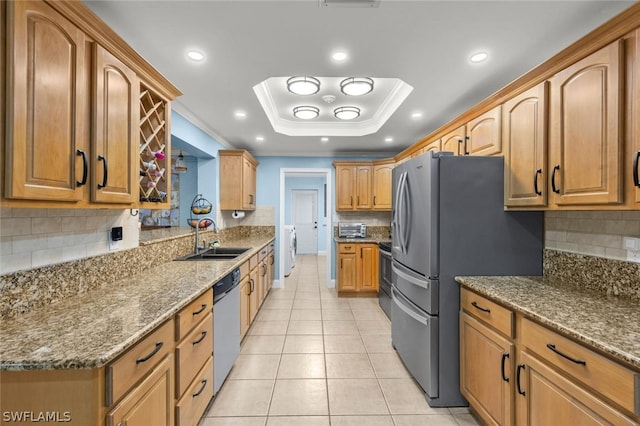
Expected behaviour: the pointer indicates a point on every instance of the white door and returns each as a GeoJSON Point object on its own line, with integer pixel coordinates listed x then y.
{"type": "Point", "coordinates": [305, 219]}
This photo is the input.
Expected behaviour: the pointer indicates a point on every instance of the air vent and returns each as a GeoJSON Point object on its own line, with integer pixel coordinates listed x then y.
{"type": "Point", "coordinates": [348, 3]}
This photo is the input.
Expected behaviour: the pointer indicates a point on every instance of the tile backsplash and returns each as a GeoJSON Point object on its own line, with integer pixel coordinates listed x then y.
{"type": "Point", "coordinates": [369, 218]}
{"type": "Point", "coordinates": [595, 233]}
{"type": "Point", "coordinates": [30, 238]}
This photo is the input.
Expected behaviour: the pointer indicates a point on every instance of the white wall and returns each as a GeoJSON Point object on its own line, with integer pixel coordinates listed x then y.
{"type": "Point", "coordinates": [30, 238]}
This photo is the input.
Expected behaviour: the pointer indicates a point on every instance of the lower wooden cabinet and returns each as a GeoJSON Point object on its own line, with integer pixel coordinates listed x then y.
{"type": "Point", "coordinates": [191, 406]}
{"type": "Point", "coordinates": [245, 296]}
{"type": "Point", "coordinates": [357, 268]}
{"type": "Point", "coordinates": [256, 278]}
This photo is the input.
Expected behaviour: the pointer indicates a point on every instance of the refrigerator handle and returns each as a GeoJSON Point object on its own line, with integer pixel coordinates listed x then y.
{"type": "Point", "coordinates": [407, 212]}
{"type": "Point", "coordinates": [403, 216]}
{"type": "Point", "coordinates": [412, 280]}
{"type": "Point", "coordinates": [399, 205]}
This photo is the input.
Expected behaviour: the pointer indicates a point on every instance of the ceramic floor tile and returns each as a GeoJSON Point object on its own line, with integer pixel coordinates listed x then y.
{"type": "Point", "coordinates": [369, 314]}
{"type": "Point", "coordinates": [268, 328]}
{"type": "Point", "coordinates": [306, 304]}
{"type": "Point", "coordinates": [459, 410]}
{"type": "Point", "coordinates": [304, 327]}
{"type": "Point", "coordinates": [306, 397]}
{"type": "Point", "coordinates": [364, 303]}
{"type": "Point", "coordinates": [361, 421]}
{"type": "Point", "coordinates": [336, 314]}
{"type": "Point", "coordinates": [301, 366]}
{"type": "Point", "coordinates": [255, 367]}
{"type": "Point", "coordinates": [298, 421]}
{"type": "Point", "coordinates": [340, 344]}
{"type": "Point", "coordinates": [307, 295]}
{"type": "Point", "coordinates": [378, 343]}
{"type": "Point", "coordinates": [306, 315]}
{"type": "Point", "coordinates": [273, 315]}
{"type": "Point", "coordinates": [243, 398]}
{"type": "Point", "coordinates": [405, 397]}
{"type": "Point", "coordinates": [340, 327]}
{"type": "Point", "coordinates": [335, 303]}
{"type": "Point", "coordinates": [466, 420]}
{"type": "Point", "coordinates": [282, 294]}
{"type": "Point", "coordinates": [356, 397]}
{"type": "Point", "coordinates": [277, 304]}
{"type": "Point", "coordinates": [374, 327]}
{"type": "Point", "coordinates": [262, 345]}
{"type": "Point", "coordinates": [388, 366]}
{"type": "Point", "coordinates": [349, 366]}
{"type": "Point", "coordinates": [425, 420]}
{"type": "Point", "coordinates": [233, 421]}
{"type": "Point", "coordinates": [300, 344]}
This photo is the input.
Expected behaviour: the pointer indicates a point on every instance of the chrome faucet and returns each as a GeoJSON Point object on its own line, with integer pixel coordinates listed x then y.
{"type": "Point", "coordinates": [196, 246]}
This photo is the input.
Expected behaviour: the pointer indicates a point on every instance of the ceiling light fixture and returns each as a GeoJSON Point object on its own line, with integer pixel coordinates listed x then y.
{"type": "Point", "coordinates": [179, 165]}
{"type": "Point", "coordinates": [416, 115]}
{"type": "Point", "coordinates": [339, 56]}
{"type": "Point", "coordinates": [195, 55]}
{"type": "Point", "coordinates": [479, 57]}
{"type": "Point", "coordinates": [356, 86]}
{"type": "Point", "coordinates": [260, 138]}
{"type": "Point", "coordinates": [306, 112]}
{"type": "Point", "coordinates": [347, 112]}
{"type": "Point", "coordinates": [240, 114]}
{"type": "Point", "coordinates": [324, 140]}
{"type": "Point", "coordinates": [303, 85]}
{"type": "Point", "coordinates": [388, 140]}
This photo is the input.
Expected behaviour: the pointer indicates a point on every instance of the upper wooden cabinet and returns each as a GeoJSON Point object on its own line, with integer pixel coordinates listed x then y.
{"type": "Point", "coordinates": [483, 134]}
{"type": "Point", "coordinates": [363, 185]}
{"type": "Point", "coordinates": [237, 180]}
{"type": "Point", "coordinates": [454, 141]}
{"type": "Point", "coordinates": [524, 135]}
{"type": "Point", "coordinates": [382, 182]}
{"type": "Point", "coordinates": [585, 141]}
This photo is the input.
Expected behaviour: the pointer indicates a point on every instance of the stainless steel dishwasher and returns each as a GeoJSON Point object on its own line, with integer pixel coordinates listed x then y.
{"type": "Point", "coordinates": [226, 326]}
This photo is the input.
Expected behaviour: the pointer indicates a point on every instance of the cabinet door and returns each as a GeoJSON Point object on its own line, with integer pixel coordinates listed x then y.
{"type": "Point", "coordinates": [248, 184]}
{"type": "Point", "coordinates": [483, 134]}
{"type": "Point", "coordinates": [486, 371]}
{"type": "Point", "coordinates": [585, 143]}
{"type": "Point", "coordinates": [116, 130]}
{"type": "Point", "coordinates": [454, 141]}
{"type": "Point", "coordinates": [345, 187]}
{"type": "Point", "coordinates": [382, 186]}
{"type": "Point", "coordinates": [272, 269]}
{"type": "Point", "coordinates": [547, 398]}
{"type": "Point", "coordinates": [47, 108]}
{"type": "Point", "coordinates": [263, 279]}
{"type": "Point", "coordinates": [524, 135]}
{"type": "Point", "coordinates": [347, 272]}
{"type": "Point", "coordinates": [367, 270]}
{"type": "Point", "coordinates": [633, 104]}
{"type": "Point", "coordinates": [364, 182]}
{"type": "Point", "coordinates": [149, 403]}
{"type": "Point", "coordinates": [245, 295]}
{"type": "Point", "coordinates": [433, 146]}
{"type": "Point", "coordinates": [253, 296]}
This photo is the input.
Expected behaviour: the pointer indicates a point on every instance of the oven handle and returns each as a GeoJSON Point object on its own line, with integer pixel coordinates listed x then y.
{"type": "Point", "coordinates": [412, 280]}
{"type": "Point", "coordinates": [397, 298]}
{"type": "Point", "coordinates": [384, 253]}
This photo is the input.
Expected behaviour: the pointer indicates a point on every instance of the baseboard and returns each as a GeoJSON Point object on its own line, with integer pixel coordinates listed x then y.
{"type": "Point", "coordinates": [277, 284]}
{"type": "Point", "coordinates": [322, 252]}
{"type": "Point", "coordinates": [332, 284]}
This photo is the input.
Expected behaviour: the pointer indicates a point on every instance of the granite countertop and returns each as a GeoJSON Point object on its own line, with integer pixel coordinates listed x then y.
{"type": "Point", "coordinates": [608, 323]}
{"type": "Point", "coordinates": [362, 240]}
{"type": "Point", "coordinates": [91, 330]}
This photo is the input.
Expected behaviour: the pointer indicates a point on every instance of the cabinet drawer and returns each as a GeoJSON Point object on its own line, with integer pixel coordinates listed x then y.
{"type": "Point", "coordinates": [485, 310]}
{"type": "Point", "coordinates": [192, 314]}
{"type": "Point", "coordinates": [125, 371]}
{"type": "Point", "coordinates": [262, 253]}
{"type": "Point", "coordinates": [244, 269]}
{"type": "Point", "coordinates": [191, 406]}
{"type": "Point", "coordinates": [193, 352]}
{"type": "Point", "coordinates": [347, 248]}
{"type": "Point", "coordinates": [253, 261]}
{"type": "Point", "coordinates": [606, 377]}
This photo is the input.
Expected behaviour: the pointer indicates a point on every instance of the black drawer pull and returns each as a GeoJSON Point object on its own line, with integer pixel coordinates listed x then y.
{"type": "Point", "coordinates": [535, 182]}
{"type": "Point", "coordinates": [199, 311]}
{"type": "Point", "coordinates": [552, 347]}
{"type": "Point", "coordinates": [502, 363]}
{"type": "Point", "coordinates": [204, 385]}
{"type": "Point", "coordinates": [520, 368]}
{"type": "Point", "coordinates": [554, 188]}
{"type": "Point", "coordinates": [148, 357]}
{"type": "Point", "coordinates": [105, 169]}
{"type": "Point", "coordinates": [475, 305]}
{"type": "Point", "coordinates": [636, 180]}
{"type": "Point", "coordinates": [204, 334]}
{"type": "Point", "coordinates": [85, 167]}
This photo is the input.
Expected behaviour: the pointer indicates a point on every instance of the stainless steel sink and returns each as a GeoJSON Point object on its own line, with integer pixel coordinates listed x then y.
{"type": "Point", "coordinates": [218, 253]}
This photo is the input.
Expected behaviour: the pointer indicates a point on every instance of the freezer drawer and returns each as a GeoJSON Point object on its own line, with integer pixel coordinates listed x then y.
{"type": "Point", "coordinates": [415, 336]}
{"type": "Point", "coordinates": [420, 291]}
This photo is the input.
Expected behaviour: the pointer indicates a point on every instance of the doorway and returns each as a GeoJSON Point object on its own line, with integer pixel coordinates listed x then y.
{"type": "Point", "coordinates": [305, 219]}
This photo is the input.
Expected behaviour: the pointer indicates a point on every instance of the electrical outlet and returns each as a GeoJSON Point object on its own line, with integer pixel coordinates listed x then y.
{"type": "Point", "coordinates": [633, 256]}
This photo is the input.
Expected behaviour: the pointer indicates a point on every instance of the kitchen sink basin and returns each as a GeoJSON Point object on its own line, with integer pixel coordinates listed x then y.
{"type": "Point", "coordinates": [217, 253]}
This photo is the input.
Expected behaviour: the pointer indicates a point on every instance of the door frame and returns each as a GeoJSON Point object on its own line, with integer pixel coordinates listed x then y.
{"type": "Point", "coordinates": [311, 172]}
{"type": "Point", "coordinates": [315, 213]}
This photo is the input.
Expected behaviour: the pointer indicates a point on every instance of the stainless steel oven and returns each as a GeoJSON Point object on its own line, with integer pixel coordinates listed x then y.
{"type": "Point", "coordinates": [384, 278]}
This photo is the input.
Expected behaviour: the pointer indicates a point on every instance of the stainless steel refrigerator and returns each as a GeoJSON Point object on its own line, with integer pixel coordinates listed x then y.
{"type": "Point", "coordinates": [449, 220]}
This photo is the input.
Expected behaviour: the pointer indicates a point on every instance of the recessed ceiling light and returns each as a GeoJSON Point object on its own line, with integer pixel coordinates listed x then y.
{"type": "Point", "coordinates": [356, 86]}
{"type": "Point", "coordinates": [339, 56]}
{"type": "Point", "coordinates": [479, 57]}
{"type": "Point", "coordinates": [324, 140]}
{"type": "Point", "coordinates": [347, 112]}
{"type": "Point", "coordinates": [195, 55]}
{"type": "Point", "coordinates": [240, 114]}
{"type": "Point", "coordinates": [306, 112]}
{"type": "Point", "coordinates": [388, 140]}
{"type": "Point", "coordinates": [303, 85]}
{"type": "Point", "coordinates": [416, 114]}
{"type": "Point", "coordinates": [260, 138]}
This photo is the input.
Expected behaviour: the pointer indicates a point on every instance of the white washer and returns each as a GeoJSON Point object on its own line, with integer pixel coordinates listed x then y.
{"type": "Point", "coordinates": [290, 249]}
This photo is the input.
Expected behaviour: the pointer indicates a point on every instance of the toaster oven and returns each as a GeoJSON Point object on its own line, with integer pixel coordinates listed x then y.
{"type": "Point", "coordinates": [352, 230]}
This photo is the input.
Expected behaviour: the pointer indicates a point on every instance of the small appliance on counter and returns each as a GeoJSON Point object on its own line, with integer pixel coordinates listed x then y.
{"type": "Point", "coordinates": [352, 230]}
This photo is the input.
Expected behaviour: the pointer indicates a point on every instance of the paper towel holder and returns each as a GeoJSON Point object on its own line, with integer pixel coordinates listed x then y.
{"type": "Point", "coordinates": [237, 214]}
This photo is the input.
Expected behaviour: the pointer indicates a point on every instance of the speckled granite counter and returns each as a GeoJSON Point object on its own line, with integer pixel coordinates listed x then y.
{"type": "Point", "coordinates": [607, 323]}
{"type": "Point", "coordinates": [362, 240]}
{"type": "Point", "coordinates": [90, 330]}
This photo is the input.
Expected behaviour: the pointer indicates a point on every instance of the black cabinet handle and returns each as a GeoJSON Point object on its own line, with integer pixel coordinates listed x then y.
{"type": "Point", "coordinates": [374, 200]}
{"type": "Point", "coordinates": [520, 368]}
{"type": "Point", "coordinates": [636, 180]}
{"type": "Point", "coordinates": [475, 305]}
{"type": "Point", "coordinates": [535, 182]}
{"type": "Point", "coordinates": [553, 179]}
{"type": "Point", "coordinates": [85, 167]}
{"type": "Point", "coordinates": [148, 357]}
{"type": "Point", "coordinates": [552, 347]}
{"type": "Point", "coordinates": [351, 200]}
{"type": "Point", "coordinates": [201, 310]}
{"type": "Point", "coordinates": [202, 336]}
{"type": "Point", "coordinates": [204, 385]}
{"type": "Point", "coordinates": [502, 364]}
{"type": "Point", "coordinates": [466, 139]}
{"type": "Point", "coordinates": [105, 169]}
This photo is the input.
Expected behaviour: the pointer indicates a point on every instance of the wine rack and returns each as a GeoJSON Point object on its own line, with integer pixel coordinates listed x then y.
{"type": "Point", "coordinates": [155, 151]}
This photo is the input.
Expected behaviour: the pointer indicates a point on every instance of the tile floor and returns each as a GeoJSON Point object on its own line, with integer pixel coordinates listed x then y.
{"type": "Point", "coordinates": [311, 358]}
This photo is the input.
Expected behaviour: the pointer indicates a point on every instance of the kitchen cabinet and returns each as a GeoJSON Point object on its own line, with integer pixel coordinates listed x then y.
{"type": "Point", "coordinates": [238, 171]}
{"type": "Point", "coordinates": [524, 134]}
{"type": "Point", "coordinates": [358, 268]}
{"type": "Point", "coordinates": [483, 134]}
{"type": "Point", "coordinates": [263, 275]}
{"type": "Point", "coordinates": [382, 183]}
{"type": "Point", "coordinates": [454, 141]}
{"type": "Point", "coordinates": [632, 160]}
{"type": "Point", "coordinates": [585, 140]}
{"type": "Point", "coordinates": [245, 300]}
{"type": "Point", "coordinates": [353, 185]}
{"type": "Point", "coordinates": [271, 261]}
